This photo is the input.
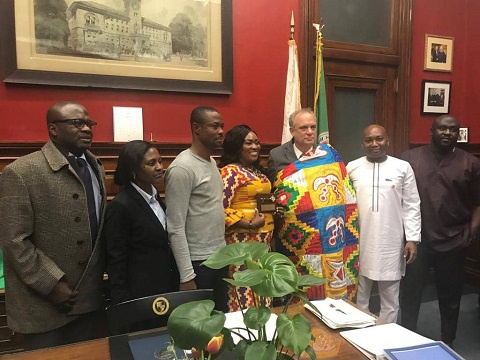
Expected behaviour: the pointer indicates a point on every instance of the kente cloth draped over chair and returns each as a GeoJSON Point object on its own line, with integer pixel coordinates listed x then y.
{"type": "Point", "coordinates": [320, 230]}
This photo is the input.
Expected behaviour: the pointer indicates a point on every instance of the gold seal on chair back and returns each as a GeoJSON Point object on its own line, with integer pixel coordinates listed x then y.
{"type": "Point", "coordinates": [160, 305]}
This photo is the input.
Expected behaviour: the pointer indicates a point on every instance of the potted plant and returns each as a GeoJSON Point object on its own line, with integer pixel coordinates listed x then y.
{"type": "Point", "coordinates": [199, 327]}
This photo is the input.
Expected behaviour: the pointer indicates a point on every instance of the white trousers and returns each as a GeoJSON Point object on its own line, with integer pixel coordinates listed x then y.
{"type": "Point", "coordinates": [389, 292]}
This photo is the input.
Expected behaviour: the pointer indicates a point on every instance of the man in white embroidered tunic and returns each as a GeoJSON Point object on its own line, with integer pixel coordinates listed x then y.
{"type": "Point", "coordinates": [389, 213]}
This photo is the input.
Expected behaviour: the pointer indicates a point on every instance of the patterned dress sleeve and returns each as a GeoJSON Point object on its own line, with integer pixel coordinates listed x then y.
{"type": "Point", "coordinates": [232, 181]}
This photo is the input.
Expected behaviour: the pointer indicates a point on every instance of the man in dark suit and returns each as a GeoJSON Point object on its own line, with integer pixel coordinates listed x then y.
{"type": "Point", "coordinates": [51, 218]}
{"type": "Point", "coordinates": [442, 55]}
{"type": "Point", "coordinates": [303, 127]}
{"type": "Point", "coordinates": [434, 53]}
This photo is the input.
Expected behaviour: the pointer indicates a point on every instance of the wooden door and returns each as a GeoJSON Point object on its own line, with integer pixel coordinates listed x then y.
{"type": "Point", "coordinates": [366, 68]}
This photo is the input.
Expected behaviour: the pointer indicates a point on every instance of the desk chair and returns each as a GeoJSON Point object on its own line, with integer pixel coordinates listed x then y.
{"type": "Point", "coordinates": [151, 311]}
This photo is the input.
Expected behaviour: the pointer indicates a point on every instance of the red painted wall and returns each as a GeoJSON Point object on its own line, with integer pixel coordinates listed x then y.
{"type": "Point", "coordinates": [472, 71]}
{"type": "Point", "coordinates": [457, 19]}
{"type": "Point", "coordinates": [260, 32]}
{"type": "Point", "coordinates": [260, 35]}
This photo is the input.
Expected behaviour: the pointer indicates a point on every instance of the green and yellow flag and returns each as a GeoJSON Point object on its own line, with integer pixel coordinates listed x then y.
{"type": "Point", "coordinates": [320, 100]}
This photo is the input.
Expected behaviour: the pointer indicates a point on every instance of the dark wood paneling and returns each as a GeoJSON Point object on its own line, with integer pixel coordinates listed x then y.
{"type": "Point", "coordinates": [107, 152]}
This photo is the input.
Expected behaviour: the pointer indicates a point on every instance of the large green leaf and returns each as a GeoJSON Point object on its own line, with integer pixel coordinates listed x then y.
{"type": "Point", "coordinates": [310, 280]}
{"type": "Point", "coordinates": [281, 276]}
{"type": "Point", "coordinates": [259, 350]}
{"type": "Point", "coordinates": [295, 333]}
{"type": "Point", "coordinates": [235, 254]}
{"type": "Point", "coordinates": [240, 349]}
{"type": "Point", "coordinates": [248, 277]}
{"type": "Point", "coordinates": [193, 324]}
{"type": "Point", "coordinates": [255, 318]}
{"type": "Point", "coordinates": [252, 264]}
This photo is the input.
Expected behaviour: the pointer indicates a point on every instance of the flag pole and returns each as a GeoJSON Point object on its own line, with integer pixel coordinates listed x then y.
{"type": "Point", "coordinates": [320, 98]}
{"type": "Point", "coordinates": [292, 88]}
{"type": "Point", "coordinates": [292, 26]}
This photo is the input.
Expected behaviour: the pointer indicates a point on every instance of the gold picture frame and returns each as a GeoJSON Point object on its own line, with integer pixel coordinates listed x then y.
{"type": "Point", "coordinates": [438, 53]}
{"type": "Point", "coordinates": [129, 47]}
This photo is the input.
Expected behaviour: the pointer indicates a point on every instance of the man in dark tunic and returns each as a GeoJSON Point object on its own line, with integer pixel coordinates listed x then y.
{"type": "Point", "coordinates": [448, 181]}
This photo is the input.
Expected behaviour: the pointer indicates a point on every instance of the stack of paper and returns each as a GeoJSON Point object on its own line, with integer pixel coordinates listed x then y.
{"type": "Point", "coordinates": [340, 314]}
{"type": "Point", "coordinates": [374, 340]}
{"type": "Point", "coordinates": [234, 320]}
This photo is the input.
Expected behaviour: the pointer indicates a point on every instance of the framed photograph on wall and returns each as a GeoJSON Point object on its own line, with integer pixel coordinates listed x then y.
{"type": "Point", "coordinates": [435, 97]}
{"type": "Point", "coordinates": [463, 135]}
{"type": "Point", "coordinates": [134, 44]}
{"type": "Point", "coordinates": [438, 53]}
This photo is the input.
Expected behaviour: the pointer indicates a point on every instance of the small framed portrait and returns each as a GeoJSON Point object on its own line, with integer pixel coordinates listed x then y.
{"type": "Point", "coordinates": [463, 135]}
{"type": "Point", "coordinates": [438, 53]}
{"type": "Point", "coordinates": [435, 97]}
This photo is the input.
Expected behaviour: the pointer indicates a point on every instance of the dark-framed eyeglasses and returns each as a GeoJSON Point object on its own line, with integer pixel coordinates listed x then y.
{"type": "Point", "coordinates": [78, 123]}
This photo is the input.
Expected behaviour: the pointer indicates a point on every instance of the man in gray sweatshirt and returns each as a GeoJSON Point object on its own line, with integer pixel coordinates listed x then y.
{"type": "Point", "coordinates": [195, 215]}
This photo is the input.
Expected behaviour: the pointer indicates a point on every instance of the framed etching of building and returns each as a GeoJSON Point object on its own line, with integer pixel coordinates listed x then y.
{"type": "Point", "coordinates": [181, 45]}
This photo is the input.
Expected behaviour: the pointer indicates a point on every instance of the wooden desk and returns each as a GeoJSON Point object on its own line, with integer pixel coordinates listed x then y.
{"type": "Point", "coordinates": [329, 344]}
{"type": "Point", "coordinates": [90, 350]}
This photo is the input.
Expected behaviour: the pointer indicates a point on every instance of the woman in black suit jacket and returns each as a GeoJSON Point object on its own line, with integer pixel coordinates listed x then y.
{"type": "Point", "coordinates": [139, 259]}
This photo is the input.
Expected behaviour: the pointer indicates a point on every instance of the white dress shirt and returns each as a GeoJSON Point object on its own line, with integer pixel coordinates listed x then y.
{"type": "Point", "coordinates": [153, 202]}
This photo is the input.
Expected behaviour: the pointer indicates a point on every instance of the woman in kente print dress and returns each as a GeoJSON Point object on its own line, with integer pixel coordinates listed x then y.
{"type": "Point", "coordinates": [243, 179]}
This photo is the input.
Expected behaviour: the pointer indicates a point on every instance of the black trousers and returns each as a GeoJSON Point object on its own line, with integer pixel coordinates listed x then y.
{"type": "Point", "coordinates": [86, 327]}
{"type": "Point", "coordinates": [449, 278]}
{"type": "Point", "coordinates": [213, 279]}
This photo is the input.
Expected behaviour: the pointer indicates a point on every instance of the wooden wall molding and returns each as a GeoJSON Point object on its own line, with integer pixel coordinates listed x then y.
{"type": "Point", "coordinates": [20, 148]}
{"type": "Point", "coordinates": [108, 152]}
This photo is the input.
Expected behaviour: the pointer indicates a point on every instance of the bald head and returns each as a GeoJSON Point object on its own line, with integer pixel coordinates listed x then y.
{"type": "Point", "coordinates": [70, 127]}
{"type": "Point", "coordinates": [445, 118]}
{"type": "Point", "coordinates": [375, 128]}
{"type": "Point", "coordinates": [375, 143]}
{"type": "Point", "coordinates": [54, 111]}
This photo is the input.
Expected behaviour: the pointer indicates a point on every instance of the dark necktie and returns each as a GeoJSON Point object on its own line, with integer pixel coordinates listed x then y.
{"type": "Point", "coordinates": [84, 174]}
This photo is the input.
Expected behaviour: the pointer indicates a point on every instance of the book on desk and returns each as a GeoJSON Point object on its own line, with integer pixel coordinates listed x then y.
{"type": "Point", "coordinates": [394, 342]}
{"type": "Point", "coordinates": [436, 350]}
{"type": "Point", "coordinates": [338, 314]}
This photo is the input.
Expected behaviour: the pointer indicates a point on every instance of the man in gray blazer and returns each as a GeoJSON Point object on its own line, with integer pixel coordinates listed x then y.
{"type": "Point", "coordinates": [303, 127]}
{"type": "Point", "coordinates": [49, 234]}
